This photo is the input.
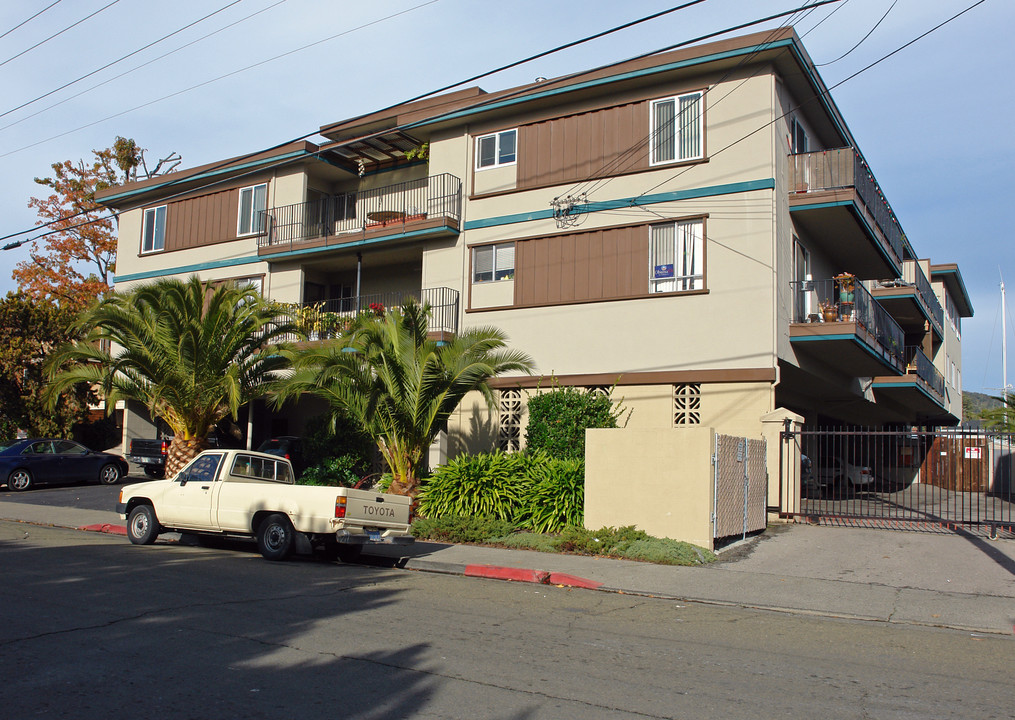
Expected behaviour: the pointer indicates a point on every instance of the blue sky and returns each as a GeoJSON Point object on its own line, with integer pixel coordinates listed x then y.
{"type": "Point", "coordinates": [911, 114]}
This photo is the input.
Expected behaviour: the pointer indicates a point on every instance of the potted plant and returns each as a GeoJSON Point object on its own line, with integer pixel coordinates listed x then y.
{"type": "Point", "coordinates": [847, 286]}
{"type": "Point", "coordinates": [829, 312]}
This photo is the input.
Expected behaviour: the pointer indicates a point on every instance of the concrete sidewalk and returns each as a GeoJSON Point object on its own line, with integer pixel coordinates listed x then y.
{"type": "Point", "coordinates": [950, 580]}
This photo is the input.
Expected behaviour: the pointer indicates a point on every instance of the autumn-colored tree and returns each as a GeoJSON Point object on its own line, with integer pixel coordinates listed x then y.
{"type": "Point", "coordinates": [30, 330]}
{"type": "Point", "coordinates": [74, 262]}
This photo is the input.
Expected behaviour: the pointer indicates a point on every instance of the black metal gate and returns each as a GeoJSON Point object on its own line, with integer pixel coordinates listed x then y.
{"type": "Point", "coordinates": [918, 479]}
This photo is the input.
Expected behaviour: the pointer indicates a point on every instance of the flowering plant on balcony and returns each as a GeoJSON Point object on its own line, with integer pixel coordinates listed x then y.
{"type": "Point", "coordinates": [847, 285]}
{"type": "Point", "coordinates": [377, 309]}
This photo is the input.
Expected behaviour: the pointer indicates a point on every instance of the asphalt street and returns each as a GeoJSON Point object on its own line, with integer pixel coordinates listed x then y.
{"type": "Point", "coordinates": [95, 626]}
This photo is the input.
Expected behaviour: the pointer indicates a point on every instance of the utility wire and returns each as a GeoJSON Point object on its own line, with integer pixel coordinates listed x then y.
{"type": "Point", "coordinates": [479, 104]}
{"type": "Point", "coordinates": [822, 93]}
{"type": "Point", "coordinates": [222, 77]}
{"type": "Point", "coordinates": [830, 62]}
{"type": "Point", "coordinates": [307, 135]}
{"type": "Point", "coordinates": [25, 22]}
{"type": "Point", "coordinates": [73, 25]}
{"type": "Point", "coordinates": [144, 64]}
{"type": "Point", "coordinates": [120, 59]}
{"type": "Point", "coordinates": [600, 176]}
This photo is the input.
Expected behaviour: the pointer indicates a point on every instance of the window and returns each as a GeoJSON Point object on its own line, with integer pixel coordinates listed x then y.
{"type": "Point", "coordinates": [676, 129]}
{"type": "Point", "coordinates": [493, 262]}
{"type": "Point", "coordinates": [496, 149]}
{"type": "Point", "coordinates": [799, 139]}
{"type": "Point", "coordinates": [253, 203]}
{"type": "Point", "coordinates": [676, 257]}
{"type": "Point", "coordinates": [153, 236]}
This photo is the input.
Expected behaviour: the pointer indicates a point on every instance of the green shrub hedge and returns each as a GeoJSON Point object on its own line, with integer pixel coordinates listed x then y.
{"type": "Point", "coordinates": [558, 420]}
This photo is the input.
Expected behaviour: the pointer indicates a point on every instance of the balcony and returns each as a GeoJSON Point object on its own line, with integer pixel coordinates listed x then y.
{"type": "Point", "coordinates": [921, 391]}
{"type": "Point", "coordinates": [330, 319]}
{"type": "Point", "coordinates": [836, 201]}
{"type": "Point", "coordinates": [430, 206]}
{"type": "Point", "coordinates": [839, 323]}
{"type": "Point", "coordinates": [911, 300]}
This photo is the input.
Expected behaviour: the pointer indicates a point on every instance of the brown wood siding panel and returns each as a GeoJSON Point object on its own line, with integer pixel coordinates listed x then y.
{"type": "Point", "coordinates": [577, 147]}
{"type": "Point", "coordinates": [203, 220]}
{"type": "Point", "coordinates": [582, 267]}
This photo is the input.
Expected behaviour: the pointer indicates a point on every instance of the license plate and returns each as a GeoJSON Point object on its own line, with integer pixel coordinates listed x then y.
{"type": "Point", "coordinates": [374, 534]}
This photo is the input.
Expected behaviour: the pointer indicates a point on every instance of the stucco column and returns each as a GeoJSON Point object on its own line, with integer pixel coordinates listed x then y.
{"type": "Point", "coordinates": [784, 476]}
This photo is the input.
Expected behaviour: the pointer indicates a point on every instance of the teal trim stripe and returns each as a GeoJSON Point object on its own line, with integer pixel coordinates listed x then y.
{"type": "Point", "coordinates": [251, 259]}
{"type": "Point", "coordinates": [201, 176]}
{"type": "Point", "coordinates": [189, 269]}
{"type": "Point", "coordinates": [856, 341]}
{"type": "Point", "coordinates": [358, 243]}
{"type": "Point", "coordinates": [604, 81]}
{"type": "Point", "coordinates": [748, 186]}
{"type": "Point", "coordinates": [912, 385]}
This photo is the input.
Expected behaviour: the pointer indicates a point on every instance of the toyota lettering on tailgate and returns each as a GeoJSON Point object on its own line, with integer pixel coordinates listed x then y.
{"type": "Point", "coordinates": [379, 511]}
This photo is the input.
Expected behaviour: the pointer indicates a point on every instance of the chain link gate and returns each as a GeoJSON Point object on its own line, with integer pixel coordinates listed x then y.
{"type": "Point", "coordinates": [740, 485]}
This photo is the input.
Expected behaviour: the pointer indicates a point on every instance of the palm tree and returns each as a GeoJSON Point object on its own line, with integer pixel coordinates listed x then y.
{"type": "Point", "coordinates": [1001, 419]}
{"type": "Point", "coordinates": [399, 384]}
{"type": "Point", "coordinates": [189, 351]}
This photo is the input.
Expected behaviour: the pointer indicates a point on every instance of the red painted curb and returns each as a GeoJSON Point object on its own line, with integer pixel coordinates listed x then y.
{"type": "Point", "coordinates": [105, 528]}
{"type": "Point", "coordinates": [573, 581]}
{"type": "Point", "coordinates": [542, 577]}
{"type": "Point", "coordinates": [505, 573]}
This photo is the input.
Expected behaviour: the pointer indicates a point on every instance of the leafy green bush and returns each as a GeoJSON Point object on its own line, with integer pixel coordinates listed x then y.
{"type": "Point", "coordinates": [460, 529]}
{"type": "Point", "coordinates": [556, 497]}
{"type": "Point", "coordinates": [342, 471]}
{"type": "Point", "coordinates": [323, 439]}
{"type": "Point", "coordinates": [664, 551]}
{"type": "Point", "coordinates": [487, 484]}
{"type": "Point", "coordinates": [558, 419]}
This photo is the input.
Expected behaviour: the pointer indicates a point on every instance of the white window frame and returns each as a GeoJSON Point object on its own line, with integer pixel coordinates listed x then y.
{"type": "Point", "coordinates": [501, 262]}
{"type": "Point", "coordinates": [158, 240]}
{"type": "Point", "coordinates": [251, 218]}
{"type": "Point", "coordinates": [686, 271]}
{"type": "Point", "coordinates": [497, 139]}
{"type": "Point", "coordinates": [678, 130]}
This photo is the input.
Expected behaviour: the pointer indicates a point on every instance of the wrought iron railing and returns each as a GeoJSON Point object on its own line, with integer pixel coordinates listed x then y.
{"type": "Point", "coordinates": [435, 196]}
{"type": "Point", "coordinates": [917, 363]}
{"type": "Point", "coordinates": [331, 318]}
{"type": "Point", "coordinates": [845, 299]}
{"type": "Point", "coordinates": [844, 168]}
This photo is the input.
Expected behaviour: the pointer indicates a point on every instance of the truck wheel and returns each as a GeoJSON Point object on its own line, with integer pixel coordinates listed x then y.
{"type": "Point", "coordinates": [154, 471]}
{"type": "Point", "coordinates": [275, 537]}
{"type": "Point", "coordinates": [19, 480]}
{"type": "Point", "coordinates": [109, 474]}
{"type": "Point", "coordinates": [142, 526]}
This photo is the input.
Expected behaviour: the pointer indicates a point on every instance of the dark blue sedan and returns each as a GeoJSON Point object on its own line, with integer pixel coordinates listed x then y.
{"type": "Point", "coordinates": [50, 461]}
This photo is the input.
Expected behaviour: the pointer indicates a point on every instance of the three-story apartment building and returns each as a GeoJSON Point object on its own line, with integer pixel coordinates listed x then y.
{"type": "Point", "coordinates": [697, 229]}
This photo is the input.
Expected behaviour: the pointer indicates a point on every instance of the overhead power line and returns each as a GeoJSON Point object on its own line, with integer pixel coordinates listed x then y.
{"type": "Point", "coordinates": [25, 22]}
{"type": "Point", "coordinates": [61, 32]}
{"type": "Point", "coordinates": [144, 64]}
{"type": "Point", "coordinates": [120, 59]}
{"type": "Point", "coordinates": [869, 32]}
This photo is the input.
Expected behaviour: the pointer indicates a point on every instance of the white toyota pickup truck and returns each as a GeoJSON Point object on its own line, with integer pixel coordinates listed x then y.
{"type": "Point", "coordinates": [240, 492]}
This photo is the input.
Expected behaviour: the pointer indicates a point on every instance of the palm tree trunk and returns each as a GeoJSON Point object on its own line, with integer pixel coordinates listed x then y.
{"type": "Point", "coordinates": [182, 452]}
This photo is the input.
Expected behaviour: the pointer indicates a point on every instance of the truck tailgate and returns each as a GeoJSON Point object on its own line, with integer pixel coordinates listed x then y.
{"type": "Point", "coordinates": [369, 509]}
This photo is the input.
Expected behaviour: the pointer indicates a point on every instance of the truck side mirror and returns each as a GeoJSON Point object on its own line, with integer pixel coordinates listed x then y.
{"type": "Point", "coordinates": [183, 478]}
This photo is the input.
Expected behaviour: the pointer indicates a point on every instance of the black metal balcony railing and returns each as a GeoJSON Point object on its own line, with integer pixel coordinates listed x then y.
{"type": "Point", "coordinates": [917, 363]}
{"type": "Point", "coordinates": [331, 318]}
{"type": "Point", "coordinates": [844, 168]}
{"type": "Point", "coordinates": [914, 277]}
{"type": "Point", "coordinates": [435, 196]}
{"type": "Point", "coordinates": [845, 299]}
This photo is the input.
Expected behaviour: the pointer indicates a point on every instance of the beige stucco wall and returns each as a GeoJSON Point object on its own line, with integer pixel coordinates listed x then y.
{"type": "Point", "coordinates": [657, 480]}
{"type": "Point", "coordinates": [731, 408]}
